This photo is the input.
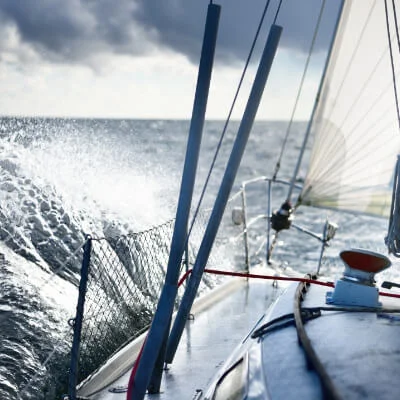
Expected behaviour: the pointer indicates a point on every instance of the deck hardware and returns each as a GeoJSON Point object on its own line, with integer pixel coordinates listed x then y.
{"type": "Point", "coordinates": [389, 285]}
{"type": "Point", "coordinates": [282, 218]}
{"type": "Point", "coordinates": [238, 215]}
{"type": "Point", "coordinates": [198, 395]}
{"type": "Point", "coordinates": [118, 389]}
{"type": "Point", "coordinates": [357, 285]}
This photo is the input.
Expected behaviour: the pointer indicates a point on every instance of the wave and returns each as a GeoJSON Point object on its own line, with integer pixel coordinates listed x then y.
{"type": "Point", "coordinates": [64, 179]}
{"type": "Point", "coordinates": [61, 180]}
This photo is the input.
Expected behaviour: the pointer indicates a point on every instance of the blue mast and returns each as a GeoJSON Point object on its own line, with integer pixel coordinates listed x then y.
{"type": "Point", "coordinates": [225, 189]}
{"type": "Point", "coordinates": [161, 322]}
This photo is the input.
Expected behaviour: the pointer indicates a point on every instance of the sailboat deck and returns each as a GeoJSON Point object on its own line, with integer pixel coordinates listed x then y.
{"type": "Point", "coordinates": [207, 341]}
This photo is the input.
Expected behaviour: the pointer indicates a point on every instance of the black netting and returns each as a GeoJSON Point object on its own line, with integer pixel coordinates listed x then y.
{"type": "Point", "coordinates": [126, 275]}
{"type": "Point", "coordinates": [125, 279]}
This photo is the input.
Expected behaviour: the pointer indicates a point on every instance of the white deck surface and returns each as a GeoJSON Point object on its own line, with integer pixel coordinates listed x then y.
{"type": "Point", "coordinates": [360, 351]}
{"type": "Point", "coordinates": [208, 340]}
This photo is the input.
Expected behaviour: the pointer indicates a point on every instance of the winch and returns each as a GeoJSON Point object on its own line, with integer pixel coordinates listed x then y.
{"type": "Point", "coordinates": [357, 285]}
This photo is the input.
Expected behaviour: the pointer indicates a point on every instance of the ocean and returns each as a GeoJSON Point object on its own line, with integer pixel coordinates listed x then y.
{"type": "Point", "coordinates": [62, 179]}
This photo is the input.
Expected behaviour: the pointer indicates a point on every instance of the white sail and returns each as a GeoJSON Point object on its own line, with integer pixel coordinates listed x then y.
{"type": "Point", "coordinates": [355, 126]}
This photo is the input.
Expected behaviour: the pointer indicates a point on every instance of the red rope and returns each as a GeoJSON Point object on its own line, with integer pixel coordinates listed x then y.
{"type": "Point", "coordinates": [131, 382]}
{"type": "Point", "coordinates": [247, 275]}
{"type": "Point", "coordinates": [241, 275]}
{"type": "Point", "coordinates": [271, 277]}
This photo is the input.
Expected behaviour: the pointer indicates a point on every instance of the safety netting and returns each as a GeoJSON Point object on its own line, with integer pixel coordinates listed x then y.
{"type": "Point", "coordinates": [124, 280]}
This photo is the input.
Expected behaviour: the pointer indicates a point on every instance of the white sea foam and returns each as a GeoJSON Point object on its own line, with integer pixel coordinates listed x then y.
{"type": "Point", "coordinates": [62, 179]}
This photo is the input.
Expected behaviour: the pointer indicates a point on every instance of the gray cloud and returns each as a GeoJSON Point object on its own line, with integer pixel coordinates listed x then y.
{"type": "Point", "coordinates": [179, 23]}
{"type": "Point", "coordinates": [76, 31]}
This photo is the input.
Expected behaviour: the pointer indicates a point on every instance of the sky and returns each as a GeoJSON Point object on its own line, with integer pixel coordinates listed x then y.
{"type": "Point", "coordinates": [139, 58]}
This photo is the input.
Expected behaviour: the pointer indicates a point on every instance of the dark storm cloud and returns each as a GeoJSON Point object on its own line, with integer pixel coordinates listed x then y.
{"type": "Point", "coordinates": [77, 30]}
{"type": "Point", "coordinates": [73, 30]}
{"type": "Point", "coordinates": [179, 23]}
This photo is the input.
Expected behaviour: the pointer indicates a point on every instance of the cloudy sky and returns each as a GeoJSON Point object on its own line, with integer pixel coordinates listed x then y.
{"type": "Point", "coordinates": [138, 58]}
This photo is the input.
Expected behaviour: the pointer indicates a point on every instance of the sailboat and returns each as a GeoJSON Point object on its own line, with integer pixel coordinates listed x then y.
{"type": "Point", "coordinates": [274, 333]}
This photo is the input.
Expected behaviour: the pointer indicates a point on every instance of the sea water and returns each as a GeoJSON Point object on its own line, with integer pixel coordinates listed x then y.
{"type": "Point", "coordinates": [62, 179]}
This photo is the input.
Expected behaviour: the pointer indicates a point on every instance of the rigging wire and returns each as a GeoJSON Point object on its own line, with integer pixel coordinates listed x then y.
{"type": "Point", "coordinates": [331, 140]}
{"type": "Point", "coordinates": [277, 11]}
{"type": "Point", "coordinates": [396, 25]}
{"type": "Point", "coordinates": [334, 143]}
{"type": "Point", "coordinates": [287, 204]}
{"type": "Point", "coordinates": [197, 209]}
{"type": "Point", "coordinates": [64, 331]}
{"type": "Point", "coordinates": [299, 91]}
{"type": "Point", "coordinates": [350, 63]}
{"type": "Point", "coordinates": [329, 170]}
{"type": "Point", "coordinates": [392, 59]}
{"type": "Point", "coordinates": [56, 273]}
{"type": "Point", "coordinates": [33, 379]}
{"type": "Point", "coordinates": [393, 238]}
{"type": "Point", "coordinates": [332, 164]}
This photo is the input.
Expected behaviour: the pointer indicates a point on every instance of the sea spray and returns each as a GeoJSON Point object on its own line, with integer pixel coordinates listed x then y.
{"type": "Point", "coordinates": [63, 179]}
{"type": "Point", "coordinates": [60, 180]}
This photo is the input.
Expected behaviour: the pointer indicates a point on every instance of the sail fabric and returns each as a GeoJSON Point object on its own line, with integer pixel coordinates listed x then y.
{"type": "Point", "coordinates": [355, 125]}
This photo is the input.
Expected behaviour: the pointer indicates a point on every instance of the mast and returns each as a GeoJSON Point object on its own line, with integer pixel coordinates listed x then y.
{"type": "Point", "coordinates": [158, 333]}
{"type": "Point", "coordinates": [225, 189]}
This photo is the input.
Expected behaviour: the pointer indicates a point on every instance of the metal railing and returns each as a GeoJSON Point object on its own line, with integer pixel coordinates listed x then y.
{"type": "Point", "coordinates": [240, 216]}
{"type": "Point", "coordinates": [121, 280]}
{"type": "Point", "coordinates": [122, 277]}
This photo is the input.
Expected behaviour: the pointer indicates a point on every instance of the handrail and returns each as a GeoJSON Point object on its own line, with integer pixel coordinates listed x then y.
{"type": "Point", "coordinates": [265, 178]}
{"type": "Point", "coordinates": [324, 237]}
